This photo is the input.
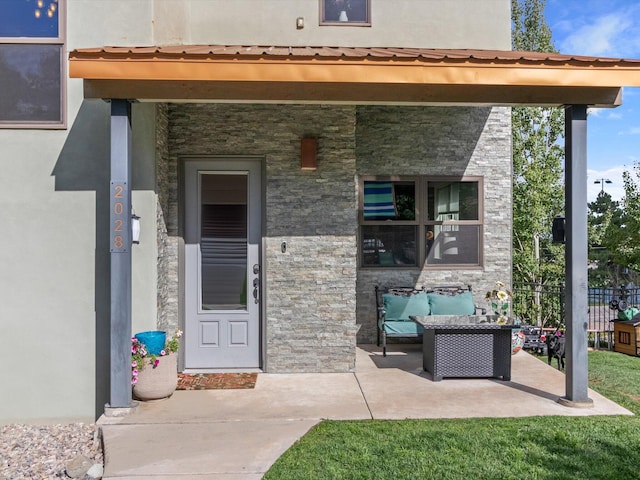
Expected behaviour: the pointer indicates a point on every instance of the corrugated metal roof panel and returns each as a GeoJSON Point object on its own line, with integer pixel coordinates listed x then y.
{"type": "Point", "coordinates": [479, 56]}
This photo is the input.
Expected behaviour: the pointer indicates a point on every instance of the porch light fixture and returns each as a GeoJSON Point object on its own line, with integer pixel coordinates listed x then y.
{"type": "Point", "coordinates": [135, 228]}
{"type": "Point", "coordinates": [557, 229]}
{"type": "Point", "coordinates": [309, 153]}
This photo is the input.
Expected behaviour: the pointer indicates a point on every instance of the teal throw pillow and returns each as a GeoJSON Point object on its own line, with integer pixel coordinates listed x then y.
{"type": "Point", "coordinates": [399, 307]}
{"type": "Point", "coordinates": [460, 304]}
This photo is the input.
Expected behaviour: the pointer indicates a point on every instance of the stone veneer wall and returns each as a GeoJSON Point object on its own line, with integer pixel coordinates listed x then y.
{"type": "Point", "coordinates": [167, 226]}
{"type": "Point", "coordinates": [310, 304]}
{"type": "Point", "coordinates": [439, 141]}
{"type": "Point", "coordinates": [310, 307]}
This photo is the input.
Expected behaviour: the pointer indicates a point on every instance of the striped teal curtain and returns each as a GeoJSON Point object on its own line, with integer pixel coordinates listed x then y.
{"type": "Point", "coordinates": [379, 200]}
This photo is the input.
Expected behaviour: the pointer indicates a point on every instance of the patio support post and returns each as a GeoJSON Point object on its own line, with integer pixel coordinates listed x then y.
{"type": "Point", "coordinates": [576, 305]}
{"type": "Point", "coordinates": [120, 248]}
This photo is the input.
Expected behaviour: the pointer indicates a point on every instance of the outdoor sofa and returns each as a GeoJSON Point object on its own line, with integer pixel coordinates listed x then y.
{"type": "Point", "coordinates": [395, 306]}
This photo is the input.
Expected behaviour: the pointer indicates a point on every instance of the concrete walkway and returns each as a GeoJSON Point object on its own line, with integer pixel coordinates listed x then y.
{"type": "Point", "coordinates": [238, 434]}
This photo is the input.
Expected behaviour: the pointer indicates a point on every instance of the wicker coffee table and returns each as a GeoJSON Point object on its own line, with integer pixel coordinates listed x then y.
{"type": "Point", "coordinates": [465, 346]}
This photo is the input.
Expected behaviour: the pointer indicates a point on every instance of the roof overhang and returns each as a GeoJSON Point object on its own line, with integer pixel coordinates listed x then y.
{"type": "Point", "coordinates": [351, 75]}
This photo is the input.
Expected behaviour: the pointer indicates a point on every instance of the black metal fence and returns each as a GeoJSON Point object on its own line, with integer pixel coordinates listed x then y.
{"type": "Point", "coordinates": [601, 301]}
{"type": "Point", "coordinates": [543, 305]}
{"type": "Point", "coordinates": [540, 305]}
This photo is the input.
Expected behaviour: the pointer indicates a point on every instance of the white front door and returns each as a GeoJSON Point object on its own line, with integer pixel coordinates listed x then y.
{"type": "Point", "coordinates": [222, 263]}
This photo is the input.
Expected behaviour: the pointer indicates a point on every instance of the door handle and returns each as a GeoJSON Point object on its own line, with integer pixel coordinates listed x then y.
{"type": "Point", "coordinates": [255, 291]}
{"type": "Point", "coordinates": [256, 282]}
{"type": "Point", "coordinates": [256, 286]}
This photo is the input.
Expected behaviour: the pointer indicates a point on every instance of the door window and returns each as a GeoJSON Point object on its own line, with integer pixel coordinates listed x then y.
{"type": "Point", "coordinates": [223, 242]}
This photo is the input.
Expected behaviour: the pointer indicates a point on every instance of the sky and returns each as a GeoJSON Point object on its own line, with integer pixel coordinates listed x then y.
{"type": "Point", "coordinates": [606, 28]}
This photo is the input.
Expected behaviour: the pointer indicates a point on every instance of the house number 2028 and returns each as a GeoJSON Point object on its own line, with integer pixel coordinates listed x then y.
{"type": "Point", "coordinates": [118, 230]}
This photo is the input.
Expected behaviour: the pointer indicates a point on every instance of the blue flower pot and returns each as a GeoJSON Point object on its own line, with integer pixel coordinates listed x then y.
{"type": "Point", "coordinates": [154, 341]}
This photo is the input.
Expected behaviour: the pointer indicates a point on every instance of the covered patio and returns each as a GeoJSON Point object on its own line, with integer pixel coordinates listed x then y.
{"type": "Point", "coordinates": [234, 432]}
{"type": "Point", "coordinates": [335, 75]}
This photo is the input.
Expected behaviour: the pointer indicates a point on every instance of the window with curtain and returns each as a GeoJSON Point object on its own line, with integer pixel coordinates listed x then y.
{"type": "Point", "coordinates": [412, 221]}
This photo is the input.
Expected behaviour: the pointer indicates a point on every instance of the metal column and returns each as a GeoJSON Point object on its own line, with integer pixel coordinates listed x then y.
{"type": "Point", "coordinates": [120, 248]}
{"type": "Point", "coordinates": [576, 257]}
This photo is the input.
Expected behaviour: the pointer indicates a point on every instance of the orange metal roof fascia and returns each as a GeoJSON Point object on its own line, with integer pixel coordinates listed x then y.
{"type": "Point", "coordinates": [392, 71]}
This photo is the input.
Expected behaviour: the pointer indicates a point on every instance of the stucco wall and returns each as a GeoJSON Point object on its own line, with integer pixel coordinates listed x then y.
{"type": "Point", "coordinates": [54, 255]}
{"type": "Point", "coordinates": [144, 264]}
{"type": "Point", "coordinates": [54, 197]}
{"type": "Point", "coordinates": [397, 23]}
{"type": "Point", "coordinates": [439, 141]}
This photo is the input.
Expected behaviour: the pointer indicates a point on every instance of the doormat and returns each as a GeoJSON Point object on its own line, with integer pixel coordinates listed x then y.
{"type": "Point", "coordinates": [216, 381]}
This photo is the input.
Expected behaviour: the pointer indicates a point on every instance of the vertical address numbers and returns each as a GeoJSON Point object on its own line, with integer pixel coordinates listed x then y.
{"type": "Point", "coordinates": [119, 226]}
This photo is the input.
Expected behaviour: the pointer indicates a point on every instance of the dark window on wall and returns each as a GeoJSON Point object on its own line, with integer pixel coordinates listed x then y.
{"type": "Point", "coordinates": [31, 64]}
{"type": "Point", "coordinates": [453, 228]}
{"type": "Point", "coordinates": [389, 222]}
{"type": "Point", "coordinates": [345, 12]}
{"type": "Point", "coordinates": [411, 221]}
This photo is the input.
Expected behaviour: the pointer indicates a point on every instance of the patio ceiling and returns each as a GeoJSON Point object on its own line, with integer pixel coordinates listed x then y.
{"type": "Point", "coordinates": [351, 75]}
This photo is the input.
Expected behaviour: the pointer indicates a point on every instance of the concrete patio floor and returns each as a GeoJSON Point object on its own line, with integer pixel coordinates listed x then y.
{"type": "Point", "coordinates": [238, 434]}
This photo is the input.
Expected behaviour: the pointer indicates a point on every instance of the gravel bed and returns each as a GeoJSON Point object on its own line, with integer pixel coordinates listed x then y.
{"type": "Point", "coordinates": [43, 451]}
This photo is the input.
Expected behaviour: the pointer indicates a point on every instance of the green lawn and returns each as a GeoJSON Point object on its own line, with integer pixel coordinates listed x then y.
{"type": "Point", "coordinates": [550, 448]}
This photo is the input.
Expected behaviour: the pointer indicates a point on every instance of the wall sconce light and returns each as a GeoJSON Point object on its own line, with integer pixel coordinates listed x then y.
{"type": "Point", "coordinates": [558, 230]}
{"type": "Point", "coordinates": [135, 228]}
{"type": "Point", "coordinates": [309, 153]}
{"type": "Point", "coordinates": [300, 23]}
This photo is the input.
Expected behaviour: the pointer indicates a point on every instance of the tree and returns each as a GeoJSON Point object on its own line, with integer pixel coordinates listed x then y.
{"type": "Point", "coordinates": [622, 236]}
{"type": "Point", "coordinates": [604, 221]}
{"type": "Point", "coordinates": [538, 190]}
